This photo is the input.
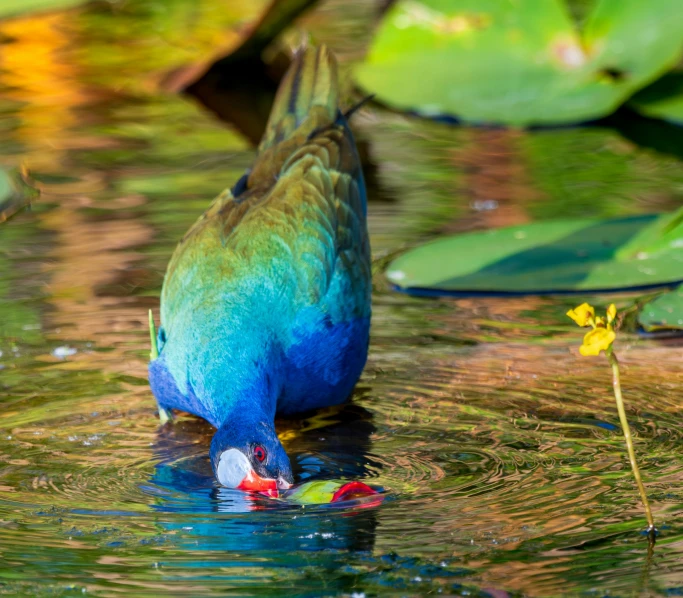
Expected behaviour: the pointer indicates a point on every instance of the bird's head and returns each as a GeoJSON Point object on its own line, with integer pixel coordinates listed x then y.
{"type": "Point", "coordinates": [250, 458]}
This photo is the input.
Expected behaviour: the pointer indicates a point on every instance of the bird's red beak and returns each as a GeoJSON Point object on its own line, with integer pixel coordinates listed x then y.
{"type": "Point", "coordinates": [255, 483]}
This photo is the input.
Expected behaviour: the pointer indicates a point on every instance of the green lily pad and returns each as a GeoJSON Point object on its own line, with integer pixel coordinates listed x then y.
{"type": "Point", "coordinates": [663, 99]}
{"type": "Point", "coordinates": [548, 257]}
{"type": "Point", "coordinates": [520, 62]}
{"type": "Point", "coordinates": [663, 313]}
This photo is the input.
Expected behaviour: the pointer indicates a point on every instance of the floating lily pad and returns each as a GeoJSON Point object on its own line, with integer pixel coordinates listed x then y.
{"type": "Point", "coordinates": [519, 63]}
{"type": "Point", "coordinates": [548, 257]}
{"type": "Point", "coordinates": [663, 99]}
{"type": "Point", "coordinates": [663, 313]}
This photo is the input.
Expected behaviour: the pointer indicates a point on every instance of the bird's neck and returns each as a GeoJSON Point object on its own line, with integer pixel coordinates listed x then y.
{"type": "Point", "coordinates": [240, 389]}
{"type": "Point", "coordinates": [238, 366]}
{"type": "Point", "coordinates": [246, 415]}
{"type": "Point", "coordinates": [251, 403]}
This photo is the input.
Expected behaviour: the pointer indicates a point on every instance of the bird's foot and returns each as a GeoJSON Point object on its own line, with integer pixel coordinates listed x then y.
{"type": "Point", "coordinates": [165, 415]}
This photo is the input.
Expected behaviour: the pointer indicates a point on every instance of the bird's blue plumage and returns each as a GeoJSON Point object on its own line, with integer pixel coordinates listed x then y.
{"type": "Point", "coordinates": [266, 302]}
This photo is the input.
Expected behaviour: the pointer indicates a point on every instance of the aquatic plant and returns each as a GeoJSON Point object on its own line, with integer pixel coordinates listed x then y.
{"type": "Point", "coordinates": [525, 62]}
{"type": "Point", "coordinates": [154, 351]}
{"type": "Point", "coordinates": [600, 339]}
{"type": "Point", "coordinates": [587, 254]}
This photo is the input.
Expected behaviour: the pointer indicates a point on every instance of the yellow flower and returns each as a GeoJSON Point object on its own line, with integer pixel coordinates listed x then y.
{"type": "Point", "coordinates": [596, 340]}
{"type": "Point", "coordinates": [611, 313]}
{"type": "Point", "coordinates": [583, 314]}
{"type": "Point", "coordinates": [602, 336]}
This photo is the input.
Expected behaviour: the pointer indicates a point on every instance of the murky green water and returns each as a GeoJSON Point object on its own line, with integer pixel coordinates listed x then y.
{"type": "Point", "coordinates": [498, 446]}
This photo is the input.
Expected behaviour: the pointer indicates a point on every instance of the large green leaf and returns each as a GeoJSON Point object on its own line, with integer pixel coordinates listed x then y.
{"type": "Point", "coordinates": [548, 257]}
{"type": "Point", "coordinates": [519, 62]}
{"type": "Point", "coordinates": [663, 313]}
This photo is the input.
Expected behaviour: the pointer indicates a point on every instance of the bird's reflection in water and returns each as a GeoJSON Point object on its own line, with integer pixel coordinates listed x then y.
{"type": "Point", "coordinates": [332, 443]}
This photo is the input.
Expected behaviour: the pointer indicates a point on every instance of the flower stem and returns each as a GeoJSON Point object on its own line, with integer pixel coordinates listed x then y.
{"type": "Point", "coordinates": [616, 383]}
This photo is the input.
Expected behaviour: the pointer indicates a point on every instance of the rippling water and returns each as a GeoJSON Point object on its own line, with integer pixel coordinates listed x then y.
{"type": "Point", "coordinates": [497, 446]}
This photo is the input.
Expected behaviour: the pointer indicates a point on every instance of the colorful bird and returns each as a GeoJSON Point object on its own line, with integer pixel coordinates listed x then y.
{"type": "Point", "coordinates": [265, 307]}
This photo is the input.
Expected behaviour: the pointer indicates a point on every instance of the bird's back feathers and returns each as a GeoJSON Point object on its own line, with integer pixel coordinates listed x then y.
{"type": "Point", "coordinates": [308, 93]}
{"type": "Point", "coordinates": [282, 258]}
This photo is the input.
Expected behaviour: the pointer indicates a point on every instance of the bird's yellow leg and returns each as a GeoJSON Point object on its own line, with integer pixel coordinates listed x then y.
{"type": "Point", "coordinates": [165, 415]}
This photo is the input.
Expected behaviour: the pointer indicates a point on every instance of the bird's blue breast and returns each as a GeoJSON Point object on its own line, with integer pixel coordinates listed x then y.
{"type": "Point", "coordinates": [323, 365]}
{"type": "Point", "coordinates": [318, 369]}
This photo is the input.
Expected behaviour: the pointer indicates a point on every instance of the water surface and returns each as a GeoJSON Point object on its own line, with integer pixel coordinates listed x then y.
{"type": "Point", "coordinates": [498, 446]}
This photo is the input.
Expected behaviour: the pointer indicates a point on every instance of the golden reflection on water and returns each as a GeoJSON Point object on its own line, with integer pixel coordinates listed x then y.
{"type": "Point", "coordinates": [36, 75]}
{"type": "Point", "coordinates": [87, 257]}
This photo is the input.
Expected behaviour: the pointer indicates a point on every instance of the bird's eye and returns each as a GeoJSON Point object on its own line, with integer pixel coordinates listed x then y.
{"type": "Point", "coordinates": [260, 453]}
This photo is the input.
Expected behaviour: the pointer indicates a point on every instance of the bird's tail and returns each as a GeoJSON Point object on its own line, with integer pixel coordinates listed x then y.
{"type": "Point", "coordinates": [307, 99]}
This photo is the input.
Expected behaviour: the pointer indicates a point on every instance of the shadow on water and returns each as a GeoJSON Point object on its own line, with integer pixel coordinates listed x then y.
{"type": "Point", "coordinates": [656, 134]}
{"type": "Point", "coordinates": [241, 93]}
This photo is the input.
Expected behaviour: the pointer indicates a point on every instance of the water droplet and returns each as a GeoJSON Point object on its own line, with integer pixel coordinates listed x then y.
{"type": "Point", "coordinates": [63, 352]}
